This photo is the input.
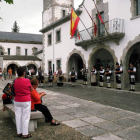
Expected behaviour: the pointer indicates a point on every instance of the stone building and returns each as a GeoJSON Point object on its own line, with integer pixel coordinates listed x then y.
{"type": "Point", "coordinates": [117, 40]}
{"type": "Point", "coordinates": [20, 49]}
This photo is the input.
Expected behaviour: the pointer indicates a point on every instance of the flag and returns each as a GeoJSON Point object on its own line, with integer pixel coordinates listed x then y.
{"type": "Point", "coordinates": [95, 29]}
{"type": "Point", "coordinates": [78, 35]}
{"type": "Point", "coordinates": [99, 16]}
{"type": "Point", "coordinates": [74, 22]}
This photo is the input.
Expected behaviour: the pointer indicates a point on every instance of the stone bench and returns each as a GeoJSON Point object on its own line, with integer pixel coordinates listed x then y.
{"type": "Point", "coordinates": [33, 118]}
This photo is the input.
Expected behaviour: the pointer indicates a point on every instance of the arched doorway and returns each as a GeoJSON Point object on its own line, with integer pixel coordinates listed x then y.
{"type": "Point", "coordinates": [132, 55]}
{"type": "Point", "coordinates": [13, 67]}
{"type": "Point", "coordinates": [76, 61]}
{"type": "Point", "coordinates": [32, 65]}
{"type": "Point", "coordinates": [105, 57]}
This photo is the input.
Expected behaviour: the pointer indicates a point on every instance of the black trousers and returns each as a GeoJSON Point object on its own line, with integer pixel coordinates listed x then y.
{"type": "Point", "coordinates": [40, 79]}
{"type": "Point", "coordinates": [45, 111]}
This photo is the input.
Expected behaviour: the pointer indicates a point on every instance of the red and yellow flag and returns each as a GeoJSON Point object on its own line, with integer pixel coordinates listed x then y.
{"type": "Point", "coordinates": [74, 22]}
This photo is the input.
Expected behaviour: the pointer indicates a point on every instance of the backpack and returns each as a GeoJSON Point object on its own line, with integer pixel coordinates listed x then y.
{"type": "Point", "coordinates": [9, 89]}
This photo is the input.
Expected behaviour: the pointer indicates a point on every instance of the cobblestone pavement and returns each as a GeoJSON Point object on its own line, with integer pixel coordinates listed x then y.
{"type": "Point", "coordinates": [93, 120]}
{"type": "Point", "coordinates": [122, 99]}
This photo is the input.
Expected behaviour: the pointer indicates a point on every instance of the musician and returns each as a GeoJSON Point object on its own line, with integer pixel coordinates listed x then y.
{"type": "Point", "coordinates": [93, 76]}
{"type": "Point", "coordinates": [108, 73]}
{"type": "Point", "coordinates": [84, 73]}
{"type": "Point", "coordinates": [101, 72]}
{"type": "Point", "coordinates": [51, 77]}
{"type": "Point", "coordinates": [72, 75]}
{"type": "Point", "coordinates": [132, 72]}
{"type": "Point", "coordinates": [60, 77]}
{"type": "Point", "coordinates": [40, 76]}
{"type": "Point", "coordinates": [118, 72]}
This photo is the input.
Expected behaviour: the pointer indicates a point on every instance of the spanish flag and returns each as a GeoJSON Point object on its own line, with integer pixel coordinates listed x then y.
{"type": "Point", "coordinates": [74, 22]}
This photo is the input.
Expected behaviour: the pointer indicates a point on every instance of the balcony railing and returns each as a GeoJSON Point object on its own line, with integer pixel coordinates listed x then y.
{"type": "Point", "coordinates": [113, 29]}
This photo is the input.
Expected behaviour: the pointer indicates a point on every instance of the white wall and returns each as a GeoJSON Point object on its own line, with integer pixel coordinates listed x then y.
{"type": "Point", "coordinates": [22, 46]}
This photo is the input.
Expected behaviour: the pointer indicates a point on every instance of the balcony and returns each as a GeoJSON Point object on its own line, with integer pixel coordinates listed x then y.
{"type": "Point", "coordinates": [115, 31]}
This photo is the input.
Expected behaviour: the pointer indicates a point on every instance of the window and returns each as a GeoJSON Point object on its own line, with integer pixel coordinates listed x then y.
{"type": "Point", "coordinates": [8, 51]}
{"type": "Point", "coordinates": [26, 52]}
{"type": "Point", "coordinates": [63, 13]}
{"type": "Point", "coordinates": [58, 36]}
{"type": "Point", "coordinates": [49, 39]}
{"type": "Point", "coordinates": [49, 64]}
{"type": "Point", "coordinates": [58, 64]}
{"type": "Point", "coordinates": [137, 7]}
{"type": "Point", "coordinates": [101, 29]}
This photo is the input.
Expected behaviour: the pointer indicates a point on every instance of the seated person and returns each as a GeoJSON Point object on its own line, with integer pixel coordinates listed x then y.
{"type": "Point", "coordinates": [36, 103]}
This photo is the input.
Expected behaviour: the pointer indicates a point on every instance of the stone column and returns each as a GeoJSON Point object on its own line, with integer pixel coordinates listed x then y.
{"type": "Point", "coordinates": [1, 62]}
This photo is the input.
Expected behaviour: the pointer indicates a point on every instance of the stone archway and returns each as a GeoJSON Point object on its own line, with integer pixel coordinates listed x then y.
{"type": "Point", "coordinates": [6, 66]}
{"type": "Point", "coordinates": [127, 51]}
{"type": "Point", "coordinates": [35, 66]}
{"type": "Point", "coordinates": [74, 52]}
{"type": "Point", "coordinates": [13, 65]}
{"type": "Point", "coordinates": [94, 55]}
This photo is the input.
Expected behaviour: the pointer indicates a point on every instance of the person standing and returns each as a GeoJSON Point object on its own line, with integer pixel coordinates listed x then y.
{"type": "Point", "coordinates": [60, 77]}
{"type": "Point", "coordinates": [51, 77]}
{"type": "Point", "coordinates": [93, 76]}
{"type": "Point", "coordinates": [101, 72]}
{"type": "Point", "coordinates": [108, 73]}
{"type": "Point", "coordinates": [40, 77]}
{"type": "Point", "coordinates": [132, 72]}
{"type": "Point", "coordinates": [22, 103]}
{"type": "Point", "coordinates": [31, 71]}
{"type": "Point", "coordinates": [118, 72]}
{"type": "Point", "coordinates": [84, 73]}
{"type": "Point", "coordinates": [10, 73]}
{"type": "Point", "coordinates": [1, 73]}
{"type": "Point", "coordinates": [72, 75]}
{"type": "Point", "coordinates": [5, 73]}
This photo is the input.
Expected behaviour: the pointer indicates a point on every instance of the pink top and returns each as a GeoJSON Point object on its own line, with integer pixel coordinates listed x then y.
{"type": "Point", "coordinates": [22, 90]}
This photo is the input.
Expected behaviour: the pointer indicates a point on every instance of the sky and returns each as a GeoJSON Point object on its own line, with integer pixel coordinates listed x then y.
{"type": "Point", "coordinates": [27, 13]}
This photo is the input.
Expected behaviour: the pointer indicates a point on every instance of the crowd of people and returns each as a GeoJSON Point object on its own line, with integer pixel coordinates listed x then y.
{"type": "Point", "coordinates": [105, 74]}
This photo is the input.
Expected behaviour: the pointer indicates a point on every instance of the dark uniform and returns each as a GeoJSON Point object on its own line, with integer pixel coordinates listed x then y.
{"type": "Point", "coordinates": [84, 73]}
{"type": "Point", "coordinates": [72, 75]}
{"type": "Point", "coordinates": [51, 77]}
{"type": "Point", "coordinates": [132, 72]}
{"type": "Point", "coordinates": [118, 72]}
{"type": "Point", "coordinates": [60, 78]}
{"type": "Point", "coordinates": [40, 77]}
{"type": "Point", "coordinates": [108, 74]}
{"type": "Point", "coordinates": [102, 72]}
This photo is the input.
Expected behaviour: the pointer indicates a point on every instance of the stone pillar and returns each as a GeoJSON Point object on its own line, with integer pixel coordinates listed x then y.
{"type": "Point", "coordinates": [1, 62]}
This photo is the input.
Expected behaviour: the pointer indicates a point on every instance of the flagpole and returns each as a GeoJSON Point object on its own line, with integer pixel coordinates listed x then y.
{"type": "Point", "coordinates": [90, 16]}
{"type": "Point", "coordinates": [98, 14]}
{"type": "Point", "coordinates": [82, 23]}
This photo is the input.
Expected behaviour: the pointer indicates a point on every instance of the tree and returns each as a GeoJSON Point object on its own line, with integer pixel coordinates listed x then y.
{"type": "Point", "coordinates": [8, 1]}
{"type": "Point", "coordinates": [15, 28]}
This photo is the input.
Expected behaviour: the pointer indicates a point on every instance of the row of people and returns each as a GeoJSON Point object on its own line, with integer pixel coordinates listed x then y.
{"type": "Point", "coordinates": [102, 72]}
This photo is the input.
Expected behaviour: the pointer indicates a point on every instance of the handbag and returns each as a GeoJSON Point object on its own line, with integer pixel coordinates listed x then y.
{"type": "Point", "coordinates": [9, 89]}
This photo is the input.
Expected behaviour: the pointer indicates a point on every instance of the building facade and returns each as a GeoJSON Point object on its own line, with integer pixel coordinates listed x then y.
{"type": "Point", "coordinates": [20, 49]}
{"type": "Point", "coordinates": [118, 40]}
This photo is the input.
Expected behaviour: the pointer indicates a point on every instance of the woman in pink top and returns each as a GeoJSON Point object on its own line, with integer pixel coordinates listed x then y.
{"type": "Point", "coordinates": [22, 87]}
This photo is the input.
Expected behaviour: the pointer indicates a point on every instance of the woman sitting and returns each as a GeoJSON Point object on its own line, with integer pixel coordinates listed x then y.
{"type": "Point", "coordinates": [36, 103]}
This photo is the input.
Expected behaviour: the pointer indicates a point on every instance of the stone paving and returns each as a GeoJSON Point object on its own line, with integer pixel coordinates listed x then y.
{"type": "Point", "coordinates": [94, 120]}
{"type": "Point", "coordinates": [97, 121]}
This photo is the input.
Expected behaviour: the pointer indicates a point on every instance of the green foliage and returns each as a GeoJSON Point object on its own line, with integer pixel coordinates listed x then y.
{"type": "Point", "coordinates": [15, 28]}
{"type": "Point", "coordinates": [9, 1]}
